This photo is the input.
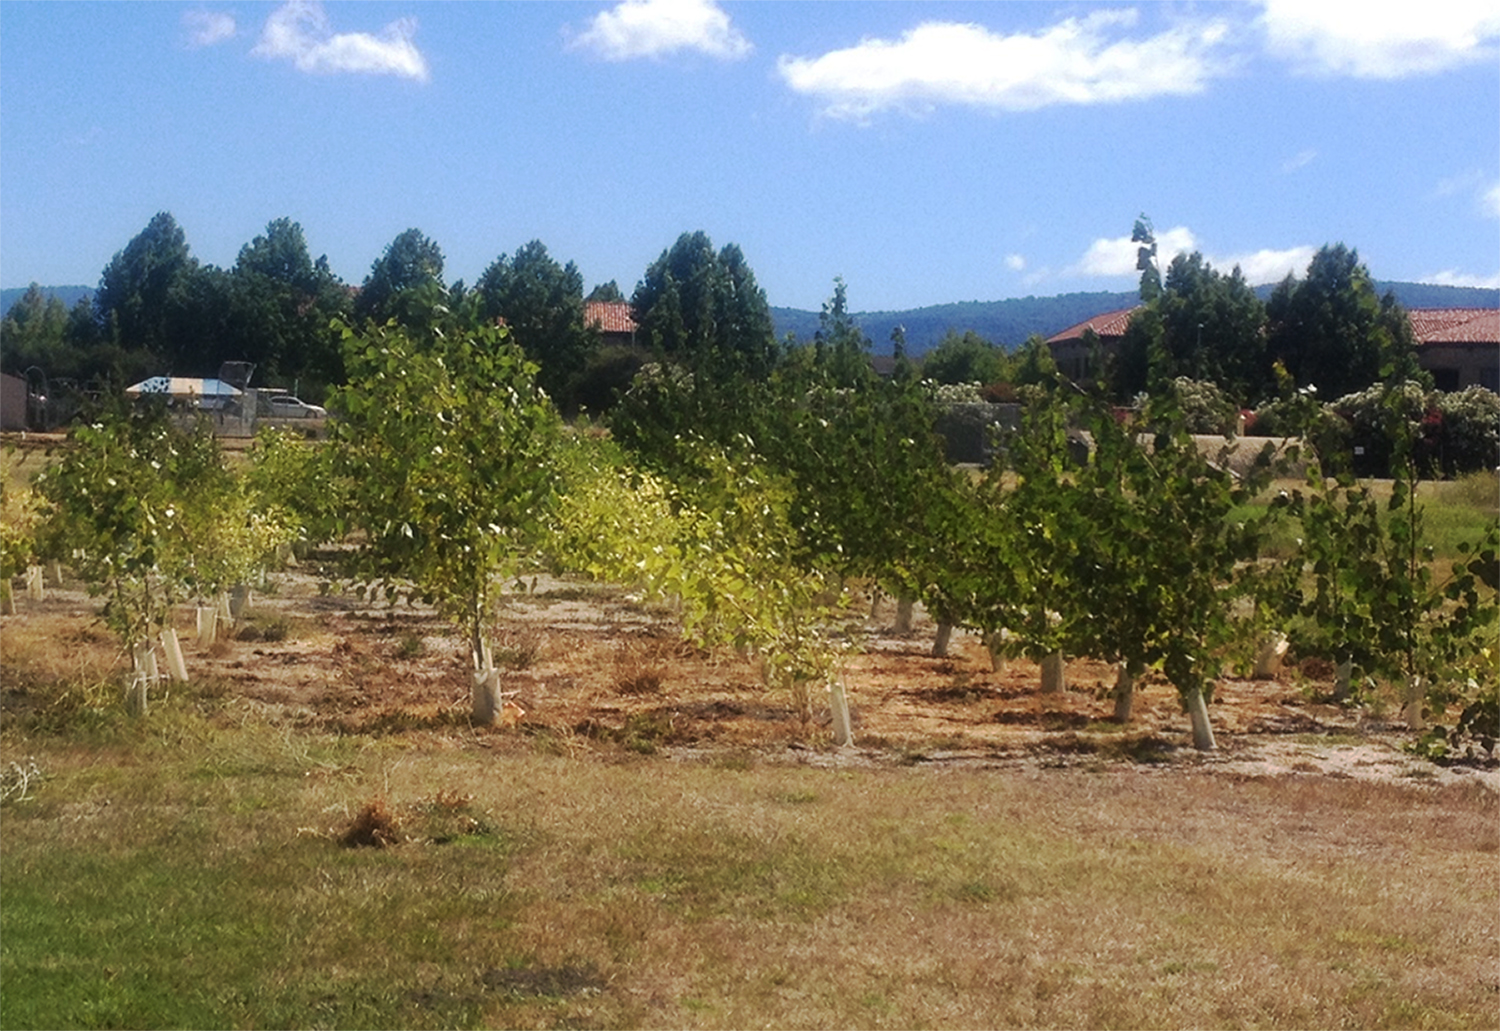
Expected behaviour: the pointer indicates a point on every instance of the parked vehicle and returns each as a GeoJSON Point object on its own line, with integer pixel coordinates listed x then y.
{"type": "Point", "coordinates": [284, 406]}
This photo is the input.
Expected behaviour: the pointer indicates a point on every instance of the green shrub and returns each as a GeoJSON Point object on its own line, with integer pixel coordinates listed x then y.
{"type": "Point", "coordinates": [1468, 438]}
{"type": "Point", "coordinates": [1204, 407]}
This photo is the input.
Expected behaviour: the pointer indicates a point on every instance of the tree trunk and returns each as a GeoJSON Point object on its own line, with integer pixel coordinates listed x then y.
{"type": "Point", "coordinates": [940, 643]}
{"type": "Point", "coordinates": [7, 598]}
{"type": "Point", "coordinates": [34, 585]}
{"type": "Point", "coordinates": [1124, 693]}
{"type": "Point", "coordinates": [838, 702]}
{"type": "Point", "coordinates": [904, 608]}
{"type": "Point", "coordinates": [1203, 731]}
{"type": "Point", "coordinates": [1054, 677]}
{"type": "Point", "coordinates": [57, 574]}
{"type": "Point", "coordinates": [874, 603]}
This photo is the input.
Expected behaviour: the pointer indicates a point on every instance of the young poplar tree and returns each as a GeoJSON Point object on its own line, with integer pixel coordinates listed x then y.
{"type": "Point", "coordinates": [132, 506]}
{"type": "Point", "coordinates": [444, 446]}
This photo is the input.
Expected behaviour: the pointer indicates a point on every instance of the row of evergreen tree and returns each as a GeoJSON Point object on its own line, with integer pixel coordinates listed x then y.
{"type": "Point", "coordinates": [159, 310]}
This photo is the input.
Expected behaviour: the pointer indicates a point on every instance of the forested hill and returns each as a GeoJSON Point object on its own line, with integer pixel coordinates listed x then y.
{"type": "Point", "coordinates": [1010, 322]}
{"type": "Point", "coordinates": [68, 295]}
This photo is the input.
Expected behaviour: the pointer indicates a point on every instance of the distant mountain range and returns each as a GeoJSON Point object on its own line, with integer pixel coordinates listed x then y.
{"type": "Point", "coordinates": [1007, 322]}
{"type": "Point", "coordinates": [1010, 322]}
{"type": "Point", "coordinates": [67, 294]}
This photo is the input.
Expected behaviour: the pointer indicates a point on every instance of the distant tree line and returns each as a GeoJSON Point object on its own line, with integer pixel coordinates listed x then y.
{"type": "Point", "coordinates": [1329, 331]}
{"type": "Point", "coordinates": [159, 310]}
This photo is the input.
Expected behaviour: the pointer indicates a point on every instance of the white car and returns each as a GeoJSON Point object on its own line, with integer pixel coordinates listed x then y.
{"type": "Point", "coordinates": [284, 406]}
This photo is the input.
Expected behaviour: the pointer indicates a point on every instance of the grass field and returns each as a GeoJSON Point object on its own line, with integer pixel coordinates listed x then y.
{"type": "Point", "coordinates": [177, 872]}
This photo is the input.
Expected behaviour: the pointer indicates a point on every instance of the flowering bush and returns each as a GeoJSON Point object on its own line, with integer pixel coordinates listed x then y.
{"type": "Point", "coordinates": [1468, 434]}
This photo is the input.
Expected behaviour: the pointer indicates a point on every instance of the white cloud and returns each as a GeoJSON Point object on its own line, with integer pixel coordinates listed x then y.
{"type": "Point", "coordinates": [206, 28]}
{"type": "Point", "coordinates": [1117, 256]}
{"type": "Point", "coordinates": [1453, 277]}
{"type": "Point", "coordinates": [1463, 182]}
{"type": "Point", "coordinates": [1078, 61]}
{"type": "Point", "coordinates": [1475, 183]}
{"type": "Point", "coordinates": [301, 32]}
{"type": "Point", "coordinates": [1300, 160]}
{"type": "Point", "coordinates": [1383, 40]}
{"type": "Point", "coordinates": [656, 28]}
{"type": "Point", "coordinates": [1268, 266]}
{"type": "Point", "coordinates": [1015, 262]}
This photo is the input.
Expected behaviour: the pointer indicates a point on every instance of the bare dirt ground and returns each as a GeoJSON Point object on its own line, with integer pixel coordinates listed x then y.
{"type": "Point", "coordinates": [597, 669]}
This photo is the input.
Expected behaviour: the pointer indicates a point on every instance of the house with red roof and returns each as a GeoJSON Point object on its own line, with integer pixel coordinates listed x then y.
{"type": "Point", "coordinates": [613, 320]}
{"type": "Point", "coordinates": [1459, 346]}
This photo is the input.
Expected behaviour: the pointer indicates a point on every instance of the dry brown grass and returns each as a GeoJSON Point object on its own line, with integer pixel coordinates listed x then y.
{"type": "Point", "coordinates": [640, 667]}
{"type": "Point", "coordinates": [530, 889]}
{"type": "Point", "coordinates": [695, 857]}
{"type": "Point", "coordinates": [374, 826]}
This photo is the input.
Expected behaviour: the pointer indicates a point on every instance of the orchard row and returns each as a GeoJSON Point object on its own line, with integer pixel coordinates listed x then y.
{"type": "Point", "coordinates": [754, 502]}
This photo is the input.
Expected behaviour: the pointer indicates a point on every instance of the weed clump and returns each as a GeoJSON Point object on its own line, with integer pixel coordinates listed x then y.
{"type": "Point", "coordinates": [518, 650]}
{"type": "Point", "coordinates": [375, 826]}
{"type": "Point", "coordinates": [272, 630]}
{"type": "Point", "coordinates": [638, 670]}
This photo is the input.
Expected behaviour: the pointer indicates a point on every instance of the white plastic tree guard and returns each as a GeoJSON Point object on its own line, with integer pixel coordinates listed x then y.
{"type": "Point", "coordinates": [1269, 656]}
{"type": "Point", "coordinates": [941, 641]}
{"type": "Point", "coordinates": [904, 607]}
{"type": "Point", "coordinates": [239, 601]}
{"type": "Point", "coordinates": [838, 703]}
{"type": "Point", "coordinates": [172, 648]}
{"type": "Point", "coordinates": [1054, 677]}
{"type": "Point", "coordinates": [485, 696]}
{"type": "Point", "coordinates": [208, 625]}
{"type": "Point", "coordinates": [1124, 693]}
{"type": "Point", "coordinates": [1411, 708]}
{"type": "Point", "coordinates": [144, 672]}
{"type": "Point", "coordinates": [1343, 678]}
{"type": "Point", "coordinates": [1203, 731]}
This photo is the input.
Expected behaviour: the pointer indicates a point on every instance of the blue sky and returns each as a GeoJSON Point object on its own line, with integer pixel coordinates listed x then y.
{"type": "Point", "coordinates": [926, 152]}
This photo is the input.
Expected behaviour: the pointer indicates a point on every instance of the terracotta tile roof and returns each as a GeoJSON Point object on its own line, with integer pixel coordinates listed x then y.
{"type": "Point", "coordinates": [1110, 324]}
{"type": "Point", "coordinates": [1456, 325]}
{"type": "Point", "coordinates": [1430, 325]}
{"type": "Point", "coordinates": [609, 316]}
